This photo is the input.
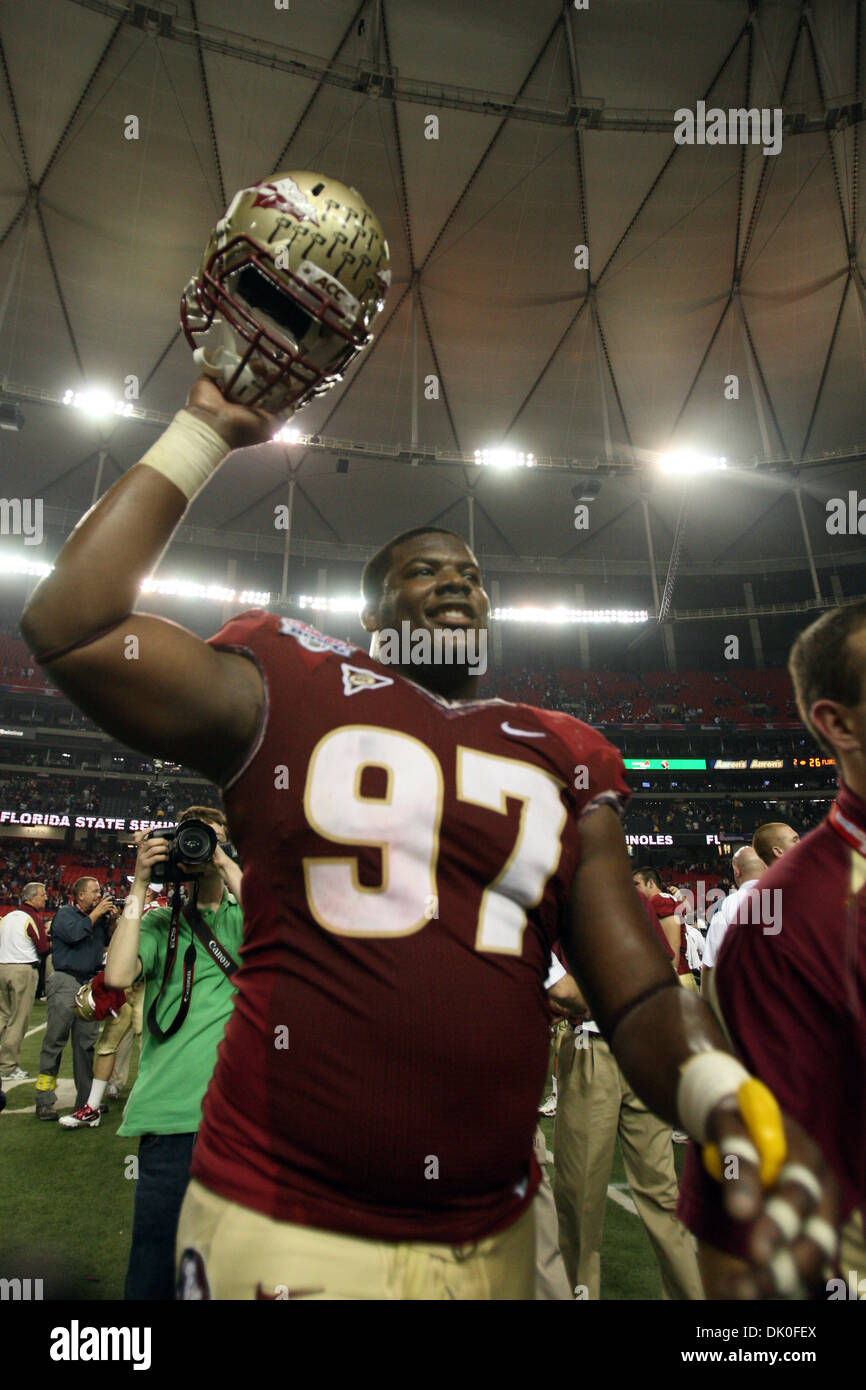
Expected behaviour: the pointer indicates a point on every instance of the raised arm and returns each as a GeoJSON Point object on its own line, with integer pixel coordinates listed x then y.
{"type": "Point", "coordinates": [146, 680]}
{"type": "Point", "coordinates": [123, 963]}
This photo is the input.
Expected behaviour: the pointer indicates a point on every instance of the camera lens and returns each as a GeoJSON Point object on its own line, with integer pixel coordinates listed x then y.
{"type": "Point", "coordinates": [195, 843]}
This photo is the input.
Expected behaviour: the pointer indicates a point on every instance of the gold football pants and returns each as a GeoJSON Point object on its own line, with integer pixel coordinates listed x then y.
{"type": "Point", "coordinates": [243, 1254]}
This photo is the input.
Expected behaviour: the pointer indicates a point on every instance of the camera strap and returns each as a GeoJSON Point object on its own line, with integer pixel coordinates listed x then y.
{"type": "Point", "coordinates": [218, 953]}
{"type": "Point", "coordinates": [224, 959]}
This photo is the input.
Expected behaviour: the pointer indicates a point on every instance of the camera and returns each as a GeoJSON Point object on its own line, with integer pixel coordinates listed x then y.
{"type": "Point", "coordinates": [193, 842]}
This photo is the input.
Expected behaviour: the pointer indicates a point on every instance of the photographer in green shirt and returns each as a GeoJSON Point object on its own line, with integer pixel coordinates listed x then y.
{"type": "Point", "coordinates": [179, 1048]}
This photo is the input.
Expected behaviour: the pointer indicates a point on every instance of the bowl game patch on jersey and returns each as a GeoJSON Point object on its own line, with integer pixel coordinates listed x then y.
{"type": "Point", "coordinates": [312, 640]}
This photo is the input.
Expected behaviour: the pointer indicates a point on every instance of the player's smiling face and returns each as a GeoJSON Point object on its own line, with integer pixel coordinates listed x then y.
{"type": "Point", "coordinates": [434, 582]}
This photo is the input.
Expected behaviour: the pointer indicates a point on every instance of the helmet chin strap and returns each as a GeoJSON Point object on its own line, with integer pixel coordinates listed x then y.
{"type": "Point", "coordinates": [374, 646]}
{"type": "Point", "coordinates": [220, 359]}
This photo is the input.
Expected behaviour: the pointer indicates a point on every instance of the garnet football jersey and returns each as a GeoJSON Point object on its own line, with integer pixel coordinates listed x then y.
{"type": "Point", "coordinates": [664, 905]}
{"type": "Point", "coordinates": [407, 862]}
{"type": "Point", "coordinates": [791, 987]}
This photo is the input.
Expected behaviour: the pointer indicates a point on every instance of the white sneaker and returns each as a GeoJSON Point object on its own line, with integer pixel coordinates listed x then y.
{"type": "Point", "coordinates": [17, 1075]}
{"type": "Point", "coordinates": [112, 1093]}
{"type": "Point", "coordinates": [85, 1118]}
{"type": "Point", "coordinates": [549, 1106]}
{"type": "Point", "coordinates": [679, 1136]}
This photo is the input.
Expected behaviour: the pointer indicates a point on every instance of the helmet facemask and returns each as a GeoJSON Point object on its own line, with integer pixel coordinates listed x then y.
{"type": "Point", "coordinates": [270, 316]}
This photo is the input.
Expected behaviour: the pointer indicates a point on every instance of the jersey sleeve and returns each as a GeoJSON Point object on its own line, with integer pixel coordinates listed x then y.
{"type": "Point", "coordinates": [665, 905]}
{"type": "Point", "coordinates": [593, 768]}
{"type": "Point", "coordinates": [243, 633]}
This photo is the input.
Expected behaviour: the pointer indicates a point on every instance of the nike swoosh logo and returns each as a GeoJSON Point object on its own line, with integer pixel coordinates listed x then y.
{"type": "Point", "coordinates": [522, 733]}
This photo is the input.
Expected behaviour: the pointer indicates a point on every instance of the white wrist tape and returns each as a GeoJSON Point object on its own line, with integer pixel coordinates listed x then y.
{"type": "Point", "coordinates": [705, 1079]}
{"type": "Point", "coordinates": [786, 1218]}
{"type": "Point", "coordinates": [187, 454]}
{"type": "Point", "coordinates": [786, 1276]}
{"type": "Point", "coordinates": [799, 1173]}
{"type": "Point", "coordinates": [743, 1148]}
{"type": "Point", "coordinates": [823, 1234]}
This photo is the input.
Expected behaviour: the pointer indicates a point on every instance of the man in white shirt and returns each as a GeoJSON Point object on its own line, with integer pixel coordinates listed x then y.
{"type": "Point", "coordinates": [747, 868]}
{"type": "Point", "coordinates": [22, 942]}
{"type": "Point", "coordinates": [596, 1106]}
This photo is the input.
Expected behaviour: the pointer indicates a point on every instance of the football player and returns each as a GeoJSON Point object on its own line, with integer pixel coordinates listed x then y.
{"type": "Point", "coordinates": [410, 851]}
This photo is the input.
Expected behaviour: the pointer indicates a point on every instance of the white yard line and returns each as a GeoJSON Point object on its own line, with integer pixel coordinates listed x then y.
{"type": "Point", "coordinates": [622, 1199]}
{"type": "Point", "coordinates": [617, 1192]}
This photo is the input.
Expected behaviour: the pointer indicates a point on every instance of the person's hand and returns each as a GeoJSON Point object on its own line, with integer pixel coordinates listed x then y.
{"type": "Point", "coordinates": [104, 905]}
{"type": "Point", "coordinates": [566, 1001]}
{"type": "Point", "coordinates": [221, 860]}
{"type": "Point", "coordinates": [150, 853]}
{"type": "Point", "coordinates": [239, 425]}
{"type": "Point", "coordinates": [795, 1217]}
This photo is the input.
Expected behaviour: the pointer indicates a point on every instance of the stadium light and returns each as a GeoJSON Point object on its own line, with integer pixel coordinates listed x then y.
{"type": "Point", "coordinates": [685, 461]}
{"type": "Point", "coordinates": [289, 434]}
{"type": "Point", "coordinates": [569, 615]}
{"type": "Point", "coordinates": [503, 458]}
{"type": "Point", "coordinates": [340, 603]}
{"type": "Point", "coordinates": [97, 403]}
{"type": "Point", "coordinates": [179, 588]}
{"type": "Point", "coordinates": [182, 588]}
{"type": "Point", "coordinates": [319, 604]}
{"type": "Point", "coordinates": [13, 564]}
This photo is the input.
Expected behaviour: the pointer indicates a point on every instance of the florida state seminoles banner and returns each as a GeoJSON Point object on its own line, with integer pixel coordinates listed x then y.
{"type": "Point", "coordinates": [59, 818]}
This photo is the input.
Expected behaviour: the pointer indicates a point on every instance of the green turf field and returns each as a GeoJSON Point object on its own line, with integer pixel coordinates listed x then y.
{"type": "Point", "coordinates": [66, 1202]}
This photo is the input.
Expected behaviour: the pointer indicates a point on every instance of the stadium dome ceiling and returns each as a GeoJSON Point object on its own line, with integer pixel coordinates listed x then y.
{"type": "Point", "coordinates": [555, 131]}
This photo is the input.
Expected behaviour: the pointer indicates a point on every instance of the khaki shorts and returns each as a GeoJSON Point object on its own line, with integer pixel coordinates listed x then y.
{"type": "Point", "coordinates": [238, 1253]}
{"type": "Point", "coordinates": [114, 1030]}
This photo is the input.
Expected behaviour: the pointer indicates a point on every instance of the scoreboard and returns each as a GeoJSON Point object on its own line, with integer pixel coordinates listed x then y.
{"type": "Point", "coordinates": [665, 764]}
{"type": "Point", "coordinates": [726, 764]}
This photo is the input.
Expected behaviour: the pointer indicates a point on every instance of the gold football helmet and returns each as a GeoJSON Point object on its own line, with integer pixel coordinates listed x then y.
{"type": "Point", "coordinates": [290, 281]}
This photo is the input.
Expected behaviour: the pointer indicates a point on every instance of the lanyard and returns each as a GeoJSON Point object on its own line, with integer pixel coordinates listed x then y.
{"type": "Point", "coordinates": [223, 958]}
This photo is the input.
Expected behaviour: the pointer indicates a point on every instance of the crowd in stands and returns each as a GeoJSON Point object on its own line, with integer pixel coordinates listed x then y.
{"type": "Point", "coordinates": [155, 797]}
{"type": "Point", "coordinates": [605, 697]}
{"type": "Point", "coordinates": [725, 818]}
{"type": "Point", "coordinates": [21, 792]}
{"type": "Point", "coordinates": [27, 862]}
{"type": "Point", "coordinates": [751, 698]}
{"type": "Point", "coordinates": [165, 798]}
